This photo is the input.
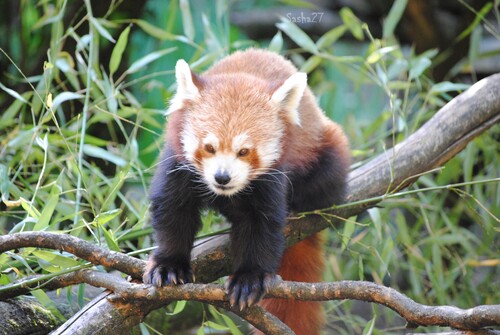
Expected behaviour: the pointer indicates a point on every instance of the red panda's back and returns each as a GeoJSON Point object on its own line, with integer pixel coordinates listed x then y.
{"type": "Point", "coordinates": [260, 63]}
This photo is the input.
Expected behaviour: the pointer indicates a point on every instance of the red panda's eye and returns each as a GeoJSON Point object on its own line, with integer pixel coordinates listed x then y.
{"type": "Point", "coordinates": [243, 152]}
{"type": "Point", "coordinates": [209, 148]}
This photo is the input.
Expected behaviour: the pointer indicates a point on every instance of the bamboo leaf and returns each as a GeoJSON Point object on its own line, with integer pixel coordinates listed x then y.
{"type": "Point", "coordinates": [447, 86]}
{"type": "Point", "coordinates": [352, 22]}
{"type": "Point", "coordinates": [331, 36]}
{"type": "Point", "coordinates": [48, 209]}
{"type": "Point", "coordinates": [65, 96]}
{"type": "Point", "coordinates": [276, 43]}
{"type": "Point", "coordinates": [149, 58]}
{"type": "Point", "coordinates": [393, 18]}
{"type": "Point", "coordinates": [104, 217]}
{"type": "Point", "coordinates": [102, 31]}
{"type": "Point", "coordinates": [116, 55]}
{"type": "Point", "coordinates": [101, 153]}
{"type": "Point", "coordinates": [187, 20]}
{"type": "Point", "coordinates": [110, 240]}
{"type": "Point", "coordinates": [13, 93]}
{"type": "Point", "coordinates": [297, 35]}
{"type": "Point", "coordinates": [154, 31]}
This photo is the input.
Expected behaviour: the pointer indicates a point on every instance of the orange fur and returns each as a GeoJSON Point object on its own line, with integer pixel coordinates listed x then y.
{"type": "Point", "coordinates": [303, 262]}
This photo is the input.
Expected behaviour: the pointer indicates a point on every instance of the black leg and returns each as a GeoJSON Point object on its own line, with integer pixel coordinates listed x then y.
{"type": "Point", "coordinates": [257, 239]}
{"type": "Point", "coordinates": [175, 218]}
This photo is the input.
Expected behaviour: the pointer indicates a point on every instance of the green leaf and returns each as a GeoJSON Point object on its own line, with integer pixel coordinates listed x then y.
{"type": "Point", "coordinates": [9, 116]}
{"type": "Point", "coordinates": [477, 20]}
{"type": "Point", "coordinates": [110, 239]}
{"type": "Point", "coordinates": [377, 220]}
{"type": "Point", "coordinates": [231, 325]}
{"type": "Point", "coordinates": [393, 18]}
{"type": "Point", "coordinates": [115, 187]}
{"type": "Point", "coordinates": [297, 35]}
{"type": "Point", "coordinates": [299, 3]}
{"type": "Point", "coordinates": [474, 47]}
{"type": "Point", "coordinates": [379, 53]}
{"type": "Point", "coordinates": [13, 93]}
{"type": "Point", "coordinates": [447, 86]}
{"type": "Point", "coordinates": [149, 58]}
{"type": "Point", "coordinates": [44, 299]}
{"type": "Point", "coordinates": [187, 19]}
{"type": "Point", "coordinates": [101, 153]}
{"type": "Point", "coordinates": [361, 268]}
{"type": "Point", "coordinates": [144, 329]}
{"type": "Point", "coordinates": [215, 326]}
{"type": "Point", "coordinates": [276, 43]}
{"type": "Point", "coordinates": [64, 96]}
{"type": "Point", "coordinates": [331, 36]}
{"type": "Point", "coordinates": [179, 307]}
{"type": "Point", "coordinates": [102, 31]}
{"type": "Point", "coordinates": [154, 31]}
{"type": "Point", "coordinates": [56, 259]}
{"type": "Point", "coordinates": [352, 22]}
{"type": "Point", "coordinates": [368, 330]}
{"type": "Point", "coordinates": [418, 67]}
{"type": "Point", "coordinates": [28, 207]}
{"type": "Point", "coordinates": [349, 227]}
{"type": "Point", "coordinates": [105, 217]}
{"type": "Point", "coordinates": [48, 209]}
{"type": "Point", "coordinates": [311, 64]}
{"type": "Point", "coordinates": [116, 55]}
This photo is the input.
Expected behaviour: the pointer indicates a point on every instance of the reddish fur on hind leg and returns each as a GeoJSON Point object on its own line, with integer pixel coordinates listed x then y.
{"type": "Point", "coordinates": [303, 262]}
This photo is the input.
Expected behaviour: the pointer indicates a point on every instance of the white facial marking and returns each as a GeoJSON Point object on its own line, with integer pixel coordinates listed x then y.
{"type": "Point", "coordinates": [241, 141]}
{"type": "Point", "coordinates": [211, 139]}
{"type": "Point", "coordinates": [269, 152]}
{"type": "Point", "coordinates": [237, 169]}
{"type": "Point", "coordinates": [189, 142]}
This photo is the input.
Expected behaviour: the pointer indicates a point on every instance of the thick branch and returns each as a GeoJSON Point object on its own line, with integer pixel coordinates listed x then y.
{"type": "Point", "coordinates": [415, 313]}
{"type": "Point", "coordinates": [78, 247]}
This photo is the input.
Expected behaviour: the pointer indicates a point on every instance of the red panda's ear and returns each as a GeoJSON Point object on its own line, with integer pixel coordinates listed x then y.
{"type": "Point", "coordinates": [289, 94]}
{"type": "Point", "coordinates": [186, 87]}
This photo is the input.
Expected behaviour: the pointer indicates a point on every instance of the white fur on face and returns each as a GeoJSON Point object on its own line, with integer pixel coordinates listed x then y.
{"type": "Point", "coordinates": [241, 141]}
{"type": "Point", "coordinates": [189, 142]}
{"type": "Point", "coordinates": [212, 140]}
{"type": "Point", "coordinates": [227, 162]}
{"type": "Point", "coordinates": [269, 152]}
{"type": "Point", "coordinates": [237, 169]}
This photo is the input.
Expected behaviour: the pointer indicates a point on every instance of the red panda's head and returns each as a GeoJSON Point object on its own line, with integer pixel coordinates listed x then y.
{"type": "Point", "coordinates": [234, 124]}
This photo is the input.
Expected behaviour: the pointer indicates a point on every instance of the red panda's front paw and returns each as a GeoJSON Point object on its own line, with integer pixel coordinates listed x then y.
{"type": "Point", "coordinates": [167, 272]}
{"type": "Point", "coordinates": [247, 288]}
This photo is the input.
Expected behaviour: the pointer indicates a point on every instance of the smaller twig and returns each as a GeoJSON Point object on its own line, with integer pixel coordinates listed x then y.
{"type": "Point", "coordinates": [76, 246]}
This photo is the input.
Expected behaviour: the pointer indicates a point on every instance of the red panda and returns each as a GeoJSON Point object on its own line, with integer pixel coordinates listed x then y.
{"type": "Point", "coordinates": [248, 139]}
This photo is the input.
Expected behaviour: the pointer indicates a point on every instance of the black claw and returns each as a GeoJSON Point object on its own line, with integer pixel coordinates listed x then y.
{"type": "Point", "coordinates": [167, 273]}
{"type": "Point", "coordinates": [247, 288]}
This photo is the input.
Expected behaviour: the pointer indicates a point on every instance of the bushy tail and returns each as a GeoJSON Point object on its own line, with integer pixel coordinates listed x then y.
{"type": "Point", "coordinates": [303, 262]}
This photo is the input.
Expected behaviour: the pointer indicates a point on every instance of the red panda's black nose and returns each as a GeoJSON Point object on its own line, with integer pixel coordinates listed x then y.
{"type": "Point", "coordinates": [222, 177]}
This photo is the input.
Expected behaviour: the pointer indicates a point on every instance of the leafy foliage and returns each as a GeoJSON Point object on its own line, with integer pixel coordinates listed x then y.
{"type": "Point", "coordinates": [79, 134]}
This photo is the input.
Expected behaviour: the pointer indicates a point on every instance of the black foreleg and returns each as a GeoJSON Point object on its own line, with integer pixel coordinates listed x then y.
{"type": "Point", "coordinates": [257, 240]}
{"type": "Point", "coordinates": [175, 218]}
